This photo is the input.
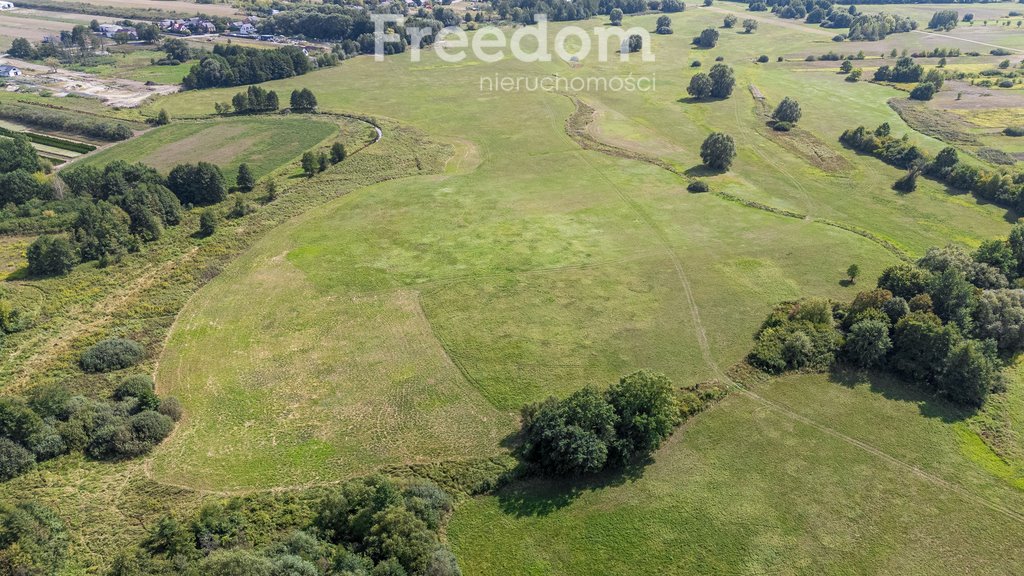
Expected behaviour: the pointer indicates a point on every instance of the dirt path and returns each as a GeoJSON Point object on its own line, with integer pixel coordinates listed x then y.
{"type": "Point", "coordinates": [926, 33]}
{"type": "Point", "coordinates": [705, 349]}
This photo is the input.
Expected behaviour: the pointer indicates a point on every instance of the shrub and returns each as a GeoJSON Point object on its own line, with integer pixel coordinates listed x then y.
{"type": "Point", "coordinates": [906, 183]}
{"type": "Point", "coordinates": [141, 388]}
{"type": "Point", "coordinates": [171, 407]}
{"type": "Point", "coordinates": [111, 354]}
{"type": "Point", "coordinates": [787, 111]}
{"type": "Point", "coordinates": [1015, 131]}
{"type": "Point", "coordinates": [15, 460]}
{"type": "Point", "coordinates": [698, 186]}
{"type": "Point", "coordinates": [763, 58]}
{"type": "Point", "coordinates": [208, 222]}
{"type": "Point", "coordinates": [782, 126]}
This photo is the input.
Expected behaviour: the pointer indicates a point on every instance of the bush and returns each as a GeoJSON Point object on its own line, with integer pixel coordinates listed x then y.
{"type": "Point", "coordinates": [15, 460]}
{"type": "Point", "coordinates": [782, 126]}
{"type": "Point", "coordinates": [111, 354]}
{"type": "Point", "coordinates": [763, 58]}
{"type": "Point", "coordinates": [787, 111]}
{"type": "Point", "coordinates": [208, 222]}
{"type": "Point", "coordinates": [698, 186]}
{"type": "Point", "coordinates": [171, 407]}
{"type": "Point", "coordinates": [141, 388]}
{"type": "Point", "coordinates": [1015, 131]}
{"type": "Point", "coordinates": [923, 91]}
{"type": "Point", "coordinates": [906, 183]}
{"type": "Point", "coordinates": [51, 256]}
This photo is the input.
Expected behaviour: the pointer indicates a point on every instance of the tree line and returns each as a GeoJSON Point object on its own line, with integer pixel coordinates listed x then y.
{"type": "Point", "coordinates": [61, 121]}
{"type": "Point", "coordinates": [233, 65]}
{"type": "Point", "coordinates": [1000, 187]}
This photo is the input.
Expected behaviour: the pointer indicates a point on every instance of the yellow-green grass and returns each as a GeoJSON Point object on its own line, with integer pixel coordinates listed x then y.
{"type": "Point", "coordinates": [138, 65]}
{"type": "Point", "coordinates": [746, 489]}
{"type": "Point", "coordinates": [265, 143]}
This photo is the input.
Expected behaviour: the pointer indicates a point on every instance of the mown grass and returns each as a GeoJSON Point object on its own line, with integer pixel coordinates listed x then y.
{"type": "Point", "coordinates": [265, 143]}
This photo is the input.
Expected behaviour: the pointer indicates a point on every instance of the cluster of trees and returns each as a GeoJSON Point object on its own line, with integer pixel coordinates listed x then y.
{"type": "Point", "coordinates": [827, 15]}
{"type": "Point", "coordinates": [303, 100]}
{"type": "Point", "coordinates": [178, 52]}
{"type": "Point", "coordinates": [255, 100]}
{"type": "Point", "coordinates": [522, 11]}
{"type": "Point", "coordinates": [233, 65]}
{"type": "Point", "coordinates": [369, 527]}
{"type": "Point", "coordinates": [120, 207]}
{"type": "Point", "coordinates": [61, 121]}
{"type": "Point", "coordinates": [312, 164]}
{"type": "Point", "coordinates": [717, 83]}
{"type": "Point", "coordinates": [877, 26]}
{"type": "Point", "coordinates": [591, 430]}
{"type": "Point", "coordinates": [941, 323]}
{"type": "Point", "coordinates": [20, 180]}
{"type": "Point", "coordinates": [1001, 188]}
{"type": "Point", "coordinates": [52, 421]}
{"type": "Point", "coordinates": [944, 20]}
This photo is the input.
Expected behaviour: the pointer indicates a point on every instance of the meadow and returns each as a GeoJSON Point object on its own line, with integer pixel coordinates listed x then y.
{"type": "Point", "coordinates": [263, 143]}
{"type": "Point", "coordinates": [491, 262]}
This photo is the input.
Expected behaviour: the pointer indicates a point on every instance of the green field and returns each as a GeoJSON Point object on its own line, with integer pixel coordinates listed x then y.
{"type": "Point", "coordinates": [265, 143]}
{"type": "Point", "coordinates": [493, 262]}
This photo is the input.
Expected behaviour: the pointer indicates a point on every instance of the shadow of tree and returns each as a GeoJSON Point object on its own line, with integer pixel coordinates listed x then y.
{"type": "Point", "coordinates": [702, 171]}
{"type": "Point", "coordinates": [541, 496]}
{"type": "Point", "coordinates": [891, 387]}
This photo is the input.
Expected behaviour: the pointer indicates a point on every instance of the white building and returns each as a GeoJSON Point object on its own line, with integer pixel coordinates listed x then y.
{"type": "Point", "coordinates": [9, 72]}
{"type": "Point", "coordinates": [6, 5]}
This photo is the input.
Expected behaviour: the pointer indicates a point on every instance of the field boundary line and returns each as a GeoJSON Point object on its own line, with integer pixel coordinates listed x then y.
{"type": "Point", "coordinates": [926, 33]}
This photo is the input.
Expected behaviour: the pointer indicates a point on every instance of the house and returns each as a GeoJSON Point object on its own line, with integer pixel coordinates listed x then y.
{"type": "Point", "coordinates": [111, 30]}
{"type": "Point", "coordinates": [9, 72]}
{"type": "Point", "coordinates": [243, 28]}
{"type": "Point", "coordinates": [6, 6]}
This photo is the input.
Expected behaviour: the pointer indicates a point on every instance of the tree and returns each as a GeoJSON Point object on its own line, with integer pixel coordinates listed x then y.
{"type": "Point", "coordinates": [971, 372]}
{"type": "Point", "coordinates": [944, 20]}
{"type": "Point", "coordinates": [647, 411]}
{"type": "Point", "coordinates": [953, 297]}
{"type": "Point", "coordinates": [717, 151]}
{"type": "Point", "coordinates": [855, 75]}
{"type": "Point", "coordinates": [198, 184]}
{"type": "Point", "coordinates": [322, 162]}
{"type": "Point", "coordinates": [906, 183]}
{"type": "Point", "coordinates": [700, 86]}
{"type": "Point", "coordinates": [853, 271]}
{"type": "Point", "coordinates": [245, 180]}
{"type": "Point", "coordinates": [33, 540]}
{"type": "Point", "coordinates": [303, 100]}
{"type": "Point", "coordinates": [749, 25]}
{"type": "Point", "coordinates": [17, 153]}
{"type": "Point", "coordinates": [23, 49]}
{"type": "Point", "coordinates": [664, 25]}
{"type": "Point", "coordinates": [846, 67]}
{"type": "Point", "coordinates": [920, 346]}
{"type": "Point", "coordinates": [163, 118]}
{"type": "Point", "coordinates": [730, 21]}
{"type": "Point", "coordinates": [997, 253]}
{"type": "Point", "coordinates": [208, 222]}
{"type": "Point", "coordinates": [923, 91]}
{"type": "Point", "coordinates": [999, 316]}
{"type": "Point", "coordinates": [867, 343]}
{"type": "Point", "coordinates": [672, 6]}
{"type": "Point", "coordinates": [708, 38]}
{"type": "Point", "coordinates": [635, 43]}
{"type": "Point", "coordinates": [309, 164]}
{"type": "Point", "coordinates": [101, 232]}
{"type": "Point", "coordinates": [569, 437]}
{"type": "Point", "coordinates": [337, 152]}
{"type": "Point", "coordinates": [787, 111]}
{"type": "Point", "coordinates": [51, 256]}
{"type": "Point", "coordinates": [616, 17]}
{"type": "Point", "coordinates": [722, 79]}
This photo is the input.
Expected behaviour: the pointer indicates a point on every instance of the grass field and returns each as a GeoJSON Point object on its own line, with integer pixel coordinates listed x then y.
{"type": "Point", "coordinates": [407, 322]}
{"type": "Point", "coordinates": [265, 143]}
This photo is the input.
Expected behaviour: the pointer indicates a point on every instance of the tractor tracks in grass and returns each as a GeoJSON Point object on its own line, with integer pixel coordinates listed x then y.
{"type": "Point", "coordinates": [778, 407]}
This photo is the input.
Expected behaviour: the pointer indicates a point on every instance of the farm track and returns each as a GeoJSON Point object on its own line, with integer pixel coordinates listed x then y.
{"type": "Point", "coordinates": [778, 407]}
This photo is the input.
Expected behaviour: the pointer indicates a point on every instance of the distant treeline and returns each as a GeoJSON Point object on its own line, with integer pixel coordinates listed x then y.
{"type": "Point", "coordinates": [232, 65]}
{"type": "Point", "coordinates": [64, 122]}
{"type": "Point", "coordinates": [523, 10]}
{"type": "Point", "coordinates": [133, 12]}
